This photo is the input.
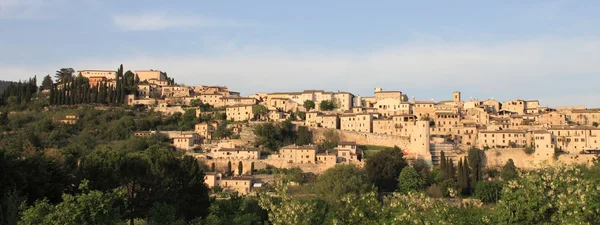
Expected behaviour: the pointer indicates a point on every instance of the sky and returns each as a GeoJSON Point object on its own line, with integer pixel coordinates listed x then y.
{"type": "Point", "coordinates": [544, 50]}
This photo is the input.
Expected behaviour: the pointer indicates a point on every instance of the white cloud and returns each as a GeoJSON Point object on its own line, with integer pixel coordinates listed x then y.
{"type": "Point", "coordinates": [153, 21]}
{"type": "Point", "coordinates": [526, 69]}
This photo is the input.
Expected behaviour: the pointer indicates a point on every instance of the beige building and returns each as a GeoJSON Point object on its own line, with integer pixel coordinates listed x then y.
{"type": "Point", "coordinates": [357, 122]}
{"type": "Point", "coordinates": [423, 109]}
{"type": "Point", "coordinates": [586, 117]}
{"type": "Point", "coordinates": [575, 139]}
{"type": "Point", "coordinates": [288, 100]}
{"type": "Point", "coordinates": [239, 112]}
{"type": "Point", "coordinates": [204, 130]}
{"type": "Point", "coordinates": [147, 75]}
{"type": "Point", "coordinates": [542, 141]}
{"type": "Point", "coordinates": [175, 91]}
{"type": "Point", "coordinates": [97, 76]}
{"type": "Point", "coordinates": [551, 119]}
{"type": "Point", "coordinates": [184, 140]}
{"type": "Point", "coordinates": [298, 154]}
{"type": "Point", "coordinates": [348, 152]}
{"type": "Point", "coordinates": [502, 139]}
{"type": "Point", "coordinates": [445, 122]}
{"type": "Point", "coordinates": [241, 185]}
{"type": "Point", "coordinates": [317, 119]}
{"type": "Point", "coordinates": [237, 153]}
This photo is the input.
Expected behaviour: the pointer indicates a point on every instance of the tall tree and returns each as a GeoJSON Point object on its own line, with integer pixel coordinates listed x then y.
{"type": "Point", "coordinates": [47, 82]}
{"type": "Point", "coordinates": [384, 168]}
{"type": "Point", "coordinates": [64, 75]}
{"type": "Point", "coordinates": [339, 181]}
{"type": "Point", "coordinates": [475, 166]}
{"type": "Point", "coordinates": [229, 172]}
{"type": "Point", "coordinates": [409, 180]}
{"type": "Point", "coordinates": [240, 168]}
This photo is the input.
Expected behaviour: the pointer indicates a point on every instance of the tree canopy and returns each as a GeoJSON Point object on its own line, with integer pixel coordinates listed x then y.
{"type": "Point", "coordinates": [383, 169]}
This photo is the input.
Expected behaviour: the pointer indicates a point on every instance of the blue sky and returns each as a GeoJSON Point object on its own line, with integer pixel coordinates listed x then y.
{"type": "Point", "coordinates": [546, 50]}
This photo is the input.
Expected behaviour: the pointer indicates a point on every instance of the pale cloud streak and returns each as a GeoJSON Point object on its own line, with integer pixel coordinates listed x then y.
{"type": "Point", "coordinates": [530, 67]}
{"type": "Point", "coordinates": [155, 21]}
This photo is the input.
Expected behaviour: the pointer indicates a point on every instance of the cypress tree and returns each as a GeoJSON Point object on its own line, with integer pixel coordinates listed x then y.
{"type": "Point", "coordinates": [466, 174]}
{"type": "Point", "coordinates": [451, 169]}
{"type": "Point", "coordinates": [240, 168]}
{"type": "Point", "coordinates": [252, 168]}
{"type": "Point", "coordinates": [212, 167]}
{"type": "Point", "coordinates": [459, 174]}
{"type": "Point", "coordinates": [443, 165]}
{"type": "Point", "coordinates": [229, 173]}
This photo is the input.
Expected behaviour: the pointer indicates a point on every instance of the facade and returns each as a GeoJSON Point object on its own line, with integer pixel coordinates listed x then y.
{"type": "Point", "coordinates": [97, 76]}
{"type": "Point", "coordinates": [423, 109]}
{"type": "Point", "coordinates": [576, 139]}
{"type": "Point", "coordinates": [184, 140]}
{"type": "Point", "coordinates": [357, 122]}
{"type": "Point", "coordinates": [237, 153]}
{"type": "Point", "coordinates": [239, 112]}
{"type": "Point", "coordinates": [317, 119]}
{"type": "Point", "coordinates": [298, 154]}
{"type": "Point", "coordinates": [204, 130]}
{"type": "Point", "coordinates": [241, 185]}
{"type": "Point", "coordinates": [147, 75]}
{"type": "Point", "coordinates": [502, 139]}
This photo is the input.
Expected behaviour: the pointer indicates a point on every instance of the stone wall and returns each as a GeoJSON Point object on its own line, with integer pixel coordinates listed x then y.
{"type": "Point", "coordinates": [496, 158]}
{"type": "Point", "coordinates": [364, 138]}
{"type": "Point", "coordinates": [221, 165]}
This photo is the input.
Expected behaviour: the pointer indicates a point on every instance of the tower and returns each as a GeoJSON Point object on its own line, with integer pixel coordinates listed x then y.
{"type": "Point", "coordinates": [419, 140]}
{"type": "Point", "coordinates": [456, 95]}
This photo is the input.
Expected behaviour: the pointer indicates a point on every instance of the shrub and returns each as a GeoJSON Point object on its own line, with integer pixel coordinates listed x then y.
{"type": "Point", "coordinates": [488, 191]}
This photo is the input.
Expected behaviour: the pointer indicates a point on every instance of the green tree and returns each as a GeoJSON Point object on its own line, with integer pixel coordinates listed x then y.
{"type": "Point", "coordinates": [90, 207]}
{"type": "Point", "coordinates": [240, 168]}
{"type": "Point", "coordinates": [47, 83]}
{"type": "Point", "coordinates": [383, 169]}
{"type": "Point", "coordinates": [509, 171]}
{"type": "Point", "coordinates": [164, 214]}
{"type": "Point", "coordinates": [327, 105]}
{"type": "Point", "coordinates": [595, 124]}
{"type": "Point", "coordinates": [339, 181]}
{"type": "Point", "coordinates": [475, 165]}
{"type": "Point", "coordinates": [309, 104]}
{"type": "Point", "coordinates": [11, 205]}
{"type": "Point", "coordinates": [304, 136]}
{"type": "Point", "coordinates": [409, 180]}
{"type": "Point", "coordinates": [488, 191]}
{"type": "Point", "coordinates": [64, 75]}
{"type": "Point", "coordinates": [212, 167]}
{"type": "Point", "coordinates": [229, 171]}
{"type": "Point", "coordinates": [259, 111]}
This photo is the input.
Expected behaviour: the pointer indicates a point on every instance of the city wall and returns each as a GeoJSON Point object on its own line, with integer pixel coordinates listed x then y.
{"type": "Point", "coordinates": [497, 158]}
{"type": "Point", "coordinates": [364, 138]}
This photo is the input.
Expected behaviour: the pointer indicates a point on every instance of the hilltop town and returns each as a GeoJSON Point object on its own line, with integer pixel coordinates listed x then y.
{"type": "Point", "coordinates": [522, 130]}
{"type": "Point", "coordinates": [141, 133]}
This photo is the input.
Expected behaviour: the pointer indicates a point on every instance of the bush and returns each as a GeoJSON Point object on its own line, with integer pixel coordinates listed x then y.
{"type": "Point", "coordinates": [529, 150]}
{"type": "Point", "coordinates": [488, 191]}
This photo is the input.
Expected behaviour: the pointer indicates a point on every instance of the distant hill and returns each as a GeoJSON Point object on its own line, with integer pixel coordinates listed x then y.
{"type": "Point", "coordinates": [4, 85]}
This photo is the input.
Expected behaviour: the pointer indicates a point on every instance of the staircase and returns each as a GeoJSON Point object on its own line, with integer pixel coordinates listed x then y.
{"type": "Point", "coordinates": [436, 149]}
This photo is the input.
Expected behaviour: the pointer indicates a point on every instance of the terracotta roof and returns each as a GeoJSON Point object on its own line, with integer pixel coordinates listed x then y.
{"type": "Point", "coordinates": [300, 147]}
{"type": "Point", "coordinates": [238, 149]}
{"type": "Point", "coordinates": [503, 131]}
